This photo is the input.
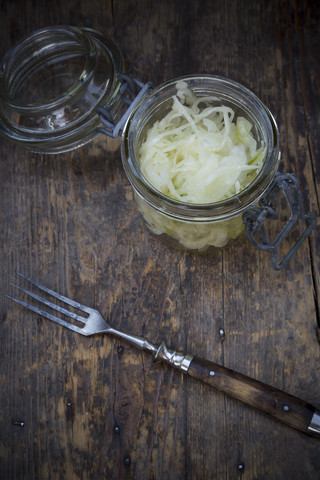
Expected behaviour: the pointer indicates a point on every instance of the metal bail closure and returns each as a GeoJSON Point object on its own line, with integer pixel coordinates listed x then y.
{"type": "Point", "coordinates": [255, 217]}
{"type": "Point", "coordinates": [129, 95]}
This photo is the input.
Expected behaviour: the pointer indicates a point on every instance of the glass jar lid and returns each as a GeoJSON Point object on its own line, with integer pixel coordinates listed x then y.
{"type": "Point", "coordinates": [53, 82]}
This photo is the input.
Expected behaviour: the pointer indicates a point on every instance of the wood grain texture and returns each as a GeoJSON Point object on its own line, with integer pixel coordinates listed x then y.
{"type": "Point", "coordinates": [94, 408]}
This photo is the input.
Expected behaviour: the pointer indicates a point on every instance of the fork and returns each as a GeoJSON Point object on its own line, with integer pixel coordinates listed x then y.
{"type": "Point", "coordinates": [277, 403]}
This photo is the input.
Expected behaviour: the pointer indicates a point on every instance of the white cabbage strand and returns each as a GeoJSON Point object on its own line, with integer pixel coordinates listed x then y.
{"type": "Point", "coordinates": [199, 155]}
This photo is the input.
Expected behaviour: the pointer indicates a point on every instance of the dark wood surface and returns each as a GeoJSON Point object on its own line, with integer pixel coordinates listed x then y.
{"type": "Point", "coordinates": [92, 408]}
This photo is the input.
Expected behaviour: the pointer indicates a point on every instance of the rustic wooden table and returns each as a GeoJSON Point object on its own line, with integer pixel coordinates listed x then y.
{"type": "Point", "coordinates": [90, 408]}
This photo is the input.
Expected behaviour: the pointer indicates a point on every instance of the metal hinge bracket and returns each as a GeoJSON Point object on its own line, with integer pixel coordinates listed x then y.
{"type": "Point", "coordinates": [132, 92]}
{"type": "Point", "coordinates": [254, 219]}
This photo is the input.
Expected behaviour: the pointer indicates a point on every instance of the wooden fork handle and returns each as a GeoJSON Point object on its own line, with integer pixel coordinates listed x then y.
{"type": "Point", "coordinates": [286, 408]}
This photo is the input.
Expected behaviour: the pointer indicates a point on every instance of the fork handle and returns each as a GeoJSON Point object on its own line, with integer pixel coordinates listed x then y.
{"type": "Point", "coordinates": [277, 403]}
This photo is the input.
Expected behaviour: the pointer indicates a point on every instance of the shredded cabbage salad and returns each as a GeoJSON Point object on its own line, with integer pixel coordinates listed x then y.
{"type": "Point", "coordinates": [199, 153]}
{"type": "Point", "coordinates": [189, 235]}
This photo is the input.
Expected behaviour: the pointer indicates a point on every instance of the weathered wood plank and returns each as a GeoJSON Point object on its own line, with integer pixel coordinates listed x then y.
{"type": "Point", "coordinates": [96, 408]}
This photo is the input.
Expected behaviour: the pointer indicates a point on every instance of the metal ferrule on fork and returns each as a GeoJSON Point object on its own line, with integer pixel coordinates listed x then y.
{"type": "Point", "coordinates": [176, 359]}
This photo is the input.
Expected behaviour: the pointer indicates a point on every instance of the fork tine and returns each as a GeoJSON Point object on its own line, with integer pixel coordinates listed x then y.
{"type": "Point", "coordinates": [74, 304]}
{"type": "Point", "coordinates": [52, 305]}
{"type": "Point", "coordinates": [43, 313]}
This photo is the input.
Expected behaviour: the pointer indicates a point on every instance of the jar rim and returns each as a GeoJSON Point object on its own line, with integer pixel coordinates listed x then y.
{"type": "Point", "coordinates": [204, 212]}
{"type": "Point", "coordinates": [78, 68]}
{"type": "Point", "coordinates": [7, 65]}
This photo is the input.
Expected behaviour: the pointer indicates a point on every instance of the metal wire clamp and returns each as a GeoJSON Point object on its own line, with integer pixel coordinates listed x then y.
{"type": "Point", "coordinates": [130, 95]}
{"type": "Point", "coordinates": [254, 219]}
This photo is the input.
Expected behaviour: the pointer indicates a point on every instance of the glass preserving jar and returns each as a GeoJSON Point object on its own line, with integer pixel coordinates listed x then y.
{"type": "Point", "coordinates": [194, 226]}
{"type": "Point", "coordinates": [62, 86]}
